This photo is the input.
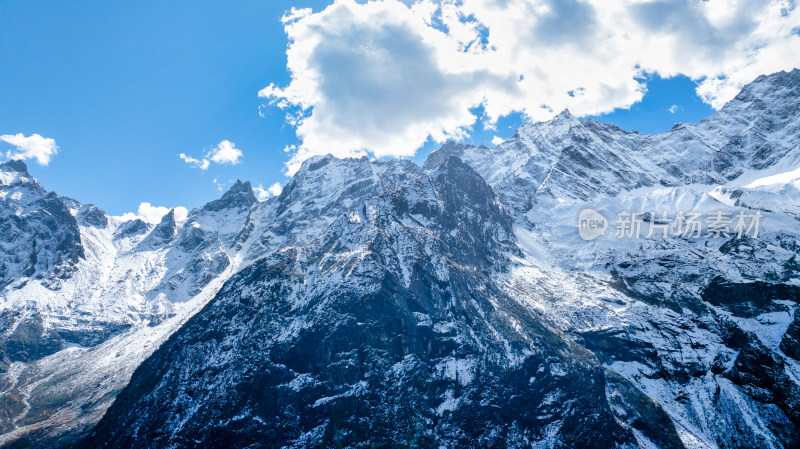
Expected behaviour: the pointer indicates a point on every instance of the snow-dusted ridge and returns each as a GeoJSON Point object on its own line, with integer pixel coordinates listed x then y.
{"type": "Point", "coordinates": [452, 296]}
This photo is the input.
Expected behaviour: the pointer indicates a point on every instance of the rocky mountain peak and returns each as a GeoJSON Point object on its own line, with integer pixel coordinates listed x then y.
{"type": "Point", "coordinates": [561, 123]}
{"type": "Point", "coordinates": [165, 230]}
{"type": "Point", "coordinates": [777, 93]}
{"type": "Point", "coordinates": [328, 183]}
{"type": "Point", "coordinates": [767, 84]}
{"type": "Point", "coordinates": [14, 173]}
{"type": "Point", "coordinates": [39, 236]}
{"type": "Point", "coordinates": [448, 149]}
{"type": "Point", "coordinates": [17, 165]}
{"type": "Point", "coordinates": [460, 183]}
{"type": "Point", "coordinates": [240, 195]}
{"type": "Point", "coordinates": [565, 115]}
{"type": "Point", "coordinates": [91, 215]}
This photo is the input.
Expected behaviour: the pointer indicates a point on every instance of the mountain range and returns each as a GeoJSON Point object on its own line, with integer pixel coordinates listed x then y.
{"type": "Point", "coordinates": [384, 304]}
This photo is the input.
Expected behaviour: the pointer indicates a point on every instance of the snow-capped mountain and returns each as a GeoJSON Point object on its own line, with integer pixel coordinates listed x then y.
{"type": "Point", "coordinates": [567, 158]}
{"type": "Point", "coordinates": [453, 305]}
{"type": "Point", "coordinates": [700, 325]}
{"type": "Point", "coordinates": [385, 330]}
{"type": "Point", "coordinates": [40, 237]}
{"type": "Point", "coordinates": [75, 327]}
{"type": "Point", "coordinates": [71, 342]}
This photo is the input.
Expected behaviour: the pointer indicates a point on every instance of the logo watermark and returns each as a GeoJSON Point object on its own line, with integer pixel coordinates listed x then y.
{"type": "Point", "coordinates": [662, 225]}
{"type": "Point", "coordinates": [591, 224]}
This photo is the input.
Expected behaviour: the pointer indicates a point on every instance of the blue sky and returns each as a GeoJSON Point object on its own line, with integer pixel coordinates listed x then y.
{"type": "Point", "coordinates": [125, 87]}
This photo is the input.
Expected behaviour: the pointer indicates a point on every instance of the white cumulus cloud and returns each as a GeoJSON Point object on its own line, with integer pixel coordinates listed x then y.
{"type": "Point", "coordinates": [153, 214]}
{"type": "Point", "coordinates": [497, 140]}
{"type": "Point", "coordinates": [383, 77]}
{"type": "Point", "coordinates": [31, 147]}
{"type": "Point", "coordinates": [224, 153]}
{"type": "Point", "coordinates": [262, 193]}
{"type": "Point", "coordinates": [376, 78]}
{"type": "Point", "coordinates": [275, 189]}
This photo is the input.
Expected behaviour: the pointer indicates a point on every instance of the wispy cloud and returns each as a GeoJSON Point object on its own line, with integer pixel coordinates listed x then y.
{"type": "Point", "coordinates": [384, 77]}
{"type": "Point", "coordinates": [202, 164]}
{"type": "Point", "coordinates": [31, 147]}
{"type": "Point", "coordinates": [221, 185]}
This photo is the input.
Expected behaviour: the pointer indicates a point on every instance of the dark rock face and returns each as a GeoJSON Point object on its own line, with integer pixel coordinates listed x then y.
{"type": "Point", "coordinates": [750, 298]}
{"type": "Point", "coordinates": [790, 343]}
{"type": "Point", "coordinates": [404, 350]}
{"type": "Point", "coordinates": [131, 228]}
{"type": "Point", "coordinates": [471, 205]}
{"type": "Point", "coordinates": [91, 215]}
{"type": "Point", "coordinates": [29, 340]}
{"type": "Point", "coordinates": [614, 344]}
{"type": "Point", "coordinates": [641, 412]}
{"type": "Point", "coordinates": [762, 374]}
{"type": "Point", "coordinates": [92, 337]}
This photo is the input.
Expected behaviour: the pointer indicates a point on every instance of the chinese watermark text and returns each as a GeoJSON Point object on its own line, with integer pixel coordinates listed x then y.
{"type": "Point", "coordinates": [662, 225]}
